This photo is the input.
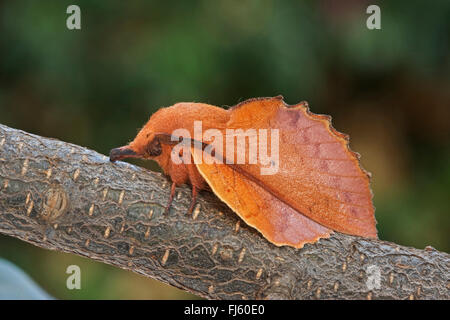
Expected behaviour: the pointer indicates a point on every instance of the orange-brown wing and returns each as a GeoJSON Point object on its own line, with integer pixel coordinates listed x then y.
{"type": "Point", "coordinates": [318, 176]}
{"type": "Point", "coordinates": [278, 222]}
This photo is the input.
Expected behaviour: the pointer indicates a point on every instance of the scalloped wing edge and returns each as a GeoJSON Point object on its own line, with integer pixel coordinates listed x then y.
{"type": "Point", "coordinates": [327, 120]}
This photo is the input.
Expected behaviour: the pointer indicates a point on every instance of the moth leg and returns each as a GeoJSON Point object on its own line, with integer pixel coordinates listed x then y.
{"type": "Point", "coordinates": [172, 194]}
{"type": "Point", "coordinates": [193, 200]}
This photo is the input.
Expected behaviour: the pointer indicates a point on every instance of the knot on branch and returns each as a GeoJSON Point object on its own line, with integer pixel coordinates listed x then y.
{"type": "Point", "coordinates": [56, 203]}
{"type": "Point", "coordinates": [280, 287]}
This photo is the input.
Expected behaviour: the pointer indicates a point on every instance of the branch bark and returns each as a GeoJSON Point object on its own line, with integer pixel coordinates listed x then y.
{"type": "Point", "coordinates": [63, 197]}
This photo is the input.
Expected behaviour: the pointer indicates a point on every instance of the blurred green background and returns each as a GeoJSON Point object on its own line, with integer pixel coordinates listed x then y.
{"type": "Point", "coordinates": [389, 89]}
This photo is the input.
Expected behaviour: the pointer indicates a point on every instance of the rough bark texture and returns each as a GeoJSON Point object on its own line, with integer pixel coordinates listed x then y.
{"type": "Point", "coordinates": [60, 196]}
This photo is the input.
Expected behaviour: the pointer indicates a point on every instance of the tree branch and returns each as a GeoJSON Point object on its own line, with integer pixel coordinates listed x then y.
{"type": "Point", "coordinates": [63, 197]}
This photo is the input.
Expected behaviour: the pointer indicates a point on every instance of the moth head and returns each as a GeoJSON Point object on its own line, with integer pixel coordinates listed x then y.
{"type": "Point", "coordinates": [144, 146]}
{"type": "Point", "coordinates": [153, 141]}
